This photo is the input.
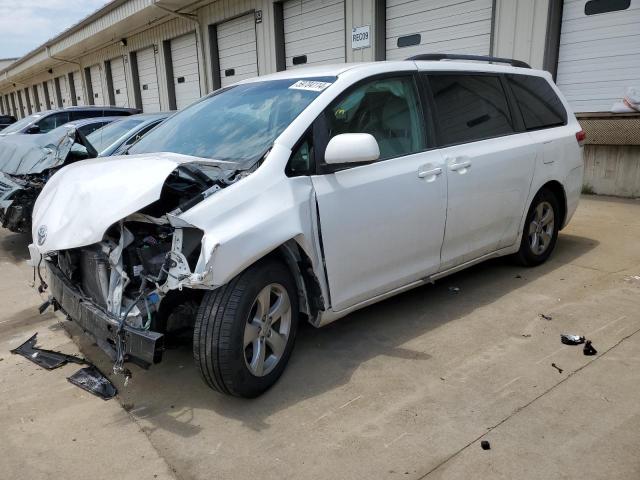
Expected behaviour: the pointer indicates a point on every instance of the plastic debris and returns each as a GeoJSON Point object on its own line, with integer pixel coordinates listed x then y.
{"type": "Point", "coordinates": [569, 339]}
{"type": "Point", "coordinates": [93, 381]}
{"type": "Point", "coordinates": [45, 358]}
{"type": "Point", "coordinates": [588, 349]}
{"type": "Point", "coordinates": [556, 367]}
{"type": "Point", "coordinates": [454, 289]}
{"type": "Point", "coordinates": [545, 317]}
{"type": "Point", "coordinates": [485, 445]}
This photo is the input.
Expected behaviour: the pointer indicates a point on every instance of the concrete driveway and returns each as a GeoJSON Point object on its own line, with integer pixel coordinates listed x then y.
{"type": "Point", "coordinates": [404, 389]}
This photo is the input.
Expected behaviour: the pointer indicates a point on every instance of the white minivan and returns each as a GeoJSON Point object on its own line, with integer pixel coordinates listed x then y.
{"type": "Point", "coordinates": [306, 194]}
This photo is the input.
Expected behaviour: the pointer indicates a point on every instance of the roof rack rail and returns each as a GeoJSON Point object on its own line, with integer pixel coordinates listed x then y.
{"type": "Point", "coordinates": [483, 58]}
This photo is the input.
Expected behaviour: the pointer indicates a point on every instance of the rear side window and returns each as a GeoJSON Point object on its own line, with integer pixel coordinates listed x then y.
{"type": "Point", "coordinates": [52, 121]}
{"type": "Point", "coordinates": [539, 104]}
{"type": "Point", "coordinates": [470, 108]}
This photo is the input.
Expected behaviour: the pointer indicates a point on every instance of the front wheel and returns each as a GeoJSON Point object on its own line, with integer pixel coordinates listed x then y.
{"type": "Point", "coordinates": [245, 331]}
{"type": "Point", "coordinates": [540, 229]}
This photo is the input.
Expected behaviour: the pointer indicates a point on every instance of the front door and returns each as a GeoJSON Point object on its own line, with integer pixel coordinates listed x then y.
{"type": "Point", "coordinates": [381, 224]}
{"type": "Point", "coordinates": [489, 165]}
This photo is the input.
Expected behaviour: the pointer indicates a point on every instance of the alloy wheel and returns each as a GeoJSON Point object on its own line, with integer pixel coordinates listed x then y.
{"type": "Point", "coordinates": [266, 332]}
{"type": "Point", "coordinates": [541, 228]}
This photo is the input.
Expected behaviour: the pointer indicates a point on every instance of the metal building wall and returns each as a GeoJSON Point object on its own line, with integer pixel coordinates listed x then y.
{"type": "Point", "coordinates": [520, 28]}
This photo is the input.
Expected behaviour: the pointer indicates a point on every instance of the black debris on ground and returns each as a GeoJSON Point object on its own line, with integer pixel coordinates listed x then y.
{"type": "Point", "coordinates": [569, 339]}
{"type": "Point", "coordinates": [93, 381]}
{"type": "Point", "coordinates": [588, 349]}
{"type": "Point", "coordinates": [45, 358]}
{"type": "Point", "coordinates": [556, 367]}
{"type": "Point", "coordinates": [485, 445]}
{"type": "Point", "coordinates": [545, 317]}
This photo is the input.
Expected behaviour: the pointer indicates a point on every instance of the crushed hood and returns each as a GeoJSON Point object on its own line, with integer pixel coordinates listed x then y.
{"type": "Point", "coordinates": [31, 154]}
{"type": "Point", "coordinates": [81, 201]}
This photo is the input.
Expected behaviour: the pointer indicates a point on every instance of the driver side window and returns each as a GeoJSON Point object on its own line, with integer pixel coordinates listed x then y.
{"type": "Point", "coordinates": [387, 108]}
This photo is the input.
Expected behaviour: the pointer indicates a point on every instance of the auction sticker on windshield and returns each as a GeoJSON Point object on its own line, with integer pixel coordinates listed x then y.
{"type": "Point", "coordinates": [311, 85]}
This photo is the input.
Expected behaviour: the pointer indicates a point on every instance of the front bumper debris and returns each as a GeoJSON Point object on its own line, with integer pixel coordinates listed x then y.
{"type": "Point", "coordinates": [142, 347]}
{"type": "Point", "coordinates": [45, 358]}
{"type": "Point", "coordinates": [93, 381]}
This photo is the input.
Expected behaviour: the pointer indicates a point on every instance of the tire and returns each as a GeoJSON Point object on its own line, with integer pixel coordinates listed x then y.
{"type": "Point", "coordinates": [534, 252]}
{"type": "Point", "coordinates": [234, 313]}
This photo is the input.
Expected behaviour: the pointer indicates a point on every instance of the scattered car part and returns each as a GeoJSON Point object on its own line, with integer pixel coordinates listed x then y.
{"type": "Point", "coordinates": [556, 367]}
{"type": "Point", "coordinates": [569, 339]}
{"type": "Point", "coordinates": [545, 317]}
{"type": "Point", "coordinates": [45, 358]}
{"type": "Point", "coordinates": [93, 381]}
{"type": "Point", "coordinates": [485, 445]}
{"type": "Point", "coordinates": [588, 349]}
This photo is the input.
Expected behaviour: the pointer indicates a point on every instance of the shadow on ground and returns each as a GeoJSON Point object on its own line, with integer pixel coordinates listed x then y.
{"type": "Point", "coordinates": [14, 245]}
{"type": "Point", "coordinates": [324, 359]}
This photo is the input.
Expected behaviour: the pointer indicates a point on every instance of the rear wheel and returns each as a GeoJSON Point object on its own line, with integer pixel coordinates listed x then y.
{"type": "Point", "coordinates": [540, 229]}
{"type": "Point", "coordinates": [245, 331]}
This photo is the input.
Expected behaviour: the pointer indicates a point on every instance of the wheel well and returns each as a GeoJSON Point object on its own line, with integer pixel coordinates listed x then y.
{"type": "Point", "coordinates": [558, 190]}
{"type": "Point", "coordinates": [301, 268]}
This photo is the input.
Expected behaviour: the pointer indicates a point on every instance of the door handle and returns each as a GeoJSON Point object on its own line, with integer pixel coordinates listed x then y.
{"type": "Point", "coordinates": [427, 173]}
{"type": "Point", "coordinates": [460, 165]}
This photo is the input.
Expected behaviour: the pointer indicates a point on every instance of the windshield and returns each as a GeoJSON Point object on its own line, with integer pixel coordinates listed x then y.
{"type": "Point", "coordinates": [105, 136]}
{"type": "Point", "coordinates": [237, 124]}
{"type": "Point", "coordinates": [14, 127]}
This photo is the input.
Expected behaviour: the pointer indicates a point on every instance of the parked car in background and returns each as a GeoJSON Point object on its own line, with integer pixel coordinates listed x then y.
{"type": "Point", "coordinates": [44, 122]}
{"type": "Point", "coordinates": [6, 120]}
{"type": "Point", "coordinates": [309, 193]}
{"type": "Point", "coordinates": [115, 138]}
{"type": "Point", "coordinates": [28, 161]}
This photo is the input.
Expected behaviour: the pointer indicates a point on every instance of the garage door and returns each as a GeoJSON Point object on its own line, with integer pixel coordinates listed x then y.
{"type": "Point", "coordinates": [77, 83]}
{"type": "Point", "coordinates": [599, 53]}
{"type": "Point", "coordinates": [53, 101]}
{"type": "Point", "coordinates": [119, 82]}
{"type": "Point", "coordinates": [314, 32]}
{"type": "Point", "coordinates": [437, 26]}
{"type": "Point", "coordinates": [41, 100]}
{"type": "Point", "coordinates": [237, 49]}
{"type": "Point", "coordinates": [65, 93]}
{"type": "Point", "coordinates": [148, 78]}
{"type": "Point", "coordinates": [186, 78]}
{"type": "Point", "coordinates": [96, 85]}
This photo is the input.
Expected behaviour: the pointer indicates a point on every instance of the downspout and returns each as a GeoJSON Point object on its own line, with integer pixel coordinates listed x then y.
{"type": "Point", "coordinates": [199, 34]}
{"type": "Point", "coordinates": [82, 80]}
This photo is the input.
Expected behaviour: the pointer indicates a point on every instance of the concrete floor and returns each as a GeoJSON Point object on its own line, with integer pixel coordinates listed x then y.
{"type": "Point", "coordinates": [404, 389]}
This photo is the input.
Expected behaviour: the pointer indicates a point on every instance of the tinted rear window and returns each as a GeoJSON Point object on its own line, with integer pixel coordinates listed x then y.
{"type": "Point", "coordinates": [539, 104]}
{"type": "Point", "coordinates": [470, 107]}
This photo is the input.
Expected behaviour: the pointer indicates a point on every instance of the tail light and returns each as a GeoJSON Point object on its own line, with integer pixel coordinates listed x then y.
{"type": "Point", "coordinates": [580, 137]}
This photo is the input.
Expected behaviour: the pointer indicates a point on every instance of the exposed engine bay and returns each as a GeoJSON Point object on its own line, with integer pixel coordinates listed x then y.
{"type": "Point", "coordinates": [133, 279]}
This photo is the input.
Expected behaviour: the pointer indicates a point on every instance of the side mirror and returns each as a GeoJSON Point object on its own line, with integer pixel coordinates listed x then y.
{"type": "Point", "coordinates": [352, 148]}
{"type": "Point", "coordinates": [33, 129]}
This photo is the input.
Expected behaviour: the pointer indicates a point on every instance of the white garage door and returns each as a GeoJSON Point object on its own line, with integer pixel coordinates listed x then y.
{"type": "Point", "coordinates": [64, 91]}
{"type": "Point", "coordinates": [237, 49]}
{"type": "Point", "coordinates": [148, 78]}
{"type": "Point", "coordinates": [119, 82]}
{"type": "Point", "coordinates": [41, 100]}
{"type": "Point", "coordinates": [186, 77]}
{"type": "Point", "coordinates": [77, 84]}
{"type": "Point", "coordinates": [437, 26]}
{"type": "Point", "coordinates": [599, 54]}
{"type": "Point", "coordinates": [314, 32]}
{"type": "Point", "coordinates": [96, 85]}
{"type": "Point", "coordinates": [51, 90]}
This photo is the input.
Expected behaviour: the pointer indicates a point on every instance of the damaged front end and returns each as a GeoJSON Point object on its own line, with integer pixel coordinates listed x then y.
{"type": "Point", "coordinates": [126, 290]}
{"type": "Point", "coordinates": [27, 162]}
{"type": "Point", "coordinates": [18, 194]}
